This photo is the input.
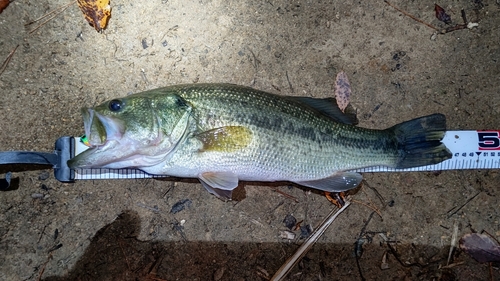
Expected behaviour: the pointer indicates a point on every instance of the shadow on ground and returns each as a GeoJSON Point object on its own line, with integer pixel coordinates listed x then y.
{"type": "Point", "coordinates": [116, 254]}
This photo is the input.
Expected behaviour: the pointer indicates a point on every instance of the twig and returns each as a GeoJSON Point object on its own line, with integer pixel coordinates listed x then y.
{"type": "Point", "coordinates": [453, 28]}
{"type": "Point", "coordinates": [413, 17]}
{"type": "Point", "coordinates": [256, 61]}
{"type": "Point", "coordinates": [289, 83]}
{"type": "Point", "coordinates": [177, 226]}
{"type": "Point", "coordinates": [398, 258]}
{"type": "Point", "coordinates": [380, 197]}
{"type": "Point", "coordinates": [49, 258]}
{"type": "Point", "coordinates": [56, 12]}
{"type": "Point", "coordinates": [463, 205]}
{"type": "Point", "coordinates": [41, 234]}
{"type": "Point", "coordinates": [442, 31]}
{"type": "Point", "coordinates": [285, 194]}
{"type": "Point", "coordinates": [453, 241]}
{"type": "Point", "coordinates": [464, 18]}
{"type": "Point", "coordinates": [452, 265]}
{"type": "Point", "coordinates": [7, 60]}
{"type": "Point", "coordinates": [306, 246]}
{"type": "Point", "coordinates": [361, 234]}
{"type": "Point", "coordinates": [369, 207]}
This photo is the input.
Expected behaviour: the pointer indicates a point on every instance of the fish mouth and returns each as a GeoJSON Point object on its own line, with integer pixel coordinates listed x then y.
{"type": "Point", "coordinates": [100, 129]}
{"type": "Point", "coordinates": [104, 136]}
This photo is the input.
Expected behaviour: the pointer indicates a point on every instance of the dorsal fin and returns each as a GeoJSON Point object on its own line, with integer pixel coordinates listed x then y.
{"type": "Point", "coordinates": [329, 108]}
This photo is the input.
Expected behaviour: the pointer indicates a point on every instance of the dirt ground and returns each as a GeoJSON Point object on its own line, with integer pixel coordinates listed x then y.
{"type": "Point", "coordinates": [125, 230]}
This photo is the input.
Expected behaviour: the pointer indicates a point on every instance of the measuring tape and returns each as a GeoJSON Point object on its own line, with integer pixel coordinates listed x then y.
{"type": "Point", "coordinates": [470, 150]}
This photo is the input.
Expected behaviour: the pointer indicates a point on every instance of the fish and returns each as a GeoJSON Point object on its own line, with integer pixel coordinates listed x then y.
{"type": "Point", "coordinates": [222, 134]}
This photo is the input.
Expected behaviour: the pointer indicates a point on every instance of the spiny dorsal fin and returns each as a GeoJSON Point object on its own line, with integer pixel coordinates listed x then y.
{"type": "Point", "coordinates": [329, 107]}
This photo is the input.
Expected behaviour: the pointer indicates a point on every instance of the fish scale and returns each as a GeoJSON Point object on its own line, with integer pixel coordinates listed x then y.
{"type": "Point", "coordinates": [312, 136]}
{"type": "Point", "coordinates": [273, 138]}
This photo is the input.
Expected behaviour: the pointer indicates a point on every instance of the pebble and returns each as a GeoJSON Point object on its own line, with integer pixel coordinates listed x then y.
{"type": "Point", "coordinates": [37, 196]}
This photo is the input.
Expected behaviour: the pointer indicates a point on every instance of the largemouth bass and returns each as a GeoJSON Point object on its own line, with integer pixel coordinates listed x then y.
{"type": "Point", "coordinates": [222, 133]}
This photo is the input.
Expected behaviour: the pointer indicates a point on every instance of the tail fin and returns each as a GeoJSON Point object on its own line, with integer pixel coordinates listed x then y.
{"type": "Point", "coordinates": [419, 141]}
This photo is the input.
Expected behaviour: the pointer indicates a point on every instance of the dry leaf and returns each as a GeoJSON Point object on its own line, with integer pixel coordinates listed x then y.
{"type": "Point", "coordinates": [441, 14]}
{"type": "Point", "coordinates": [96, 12]}
{"type": "Point", "coordinates": [4, 4]}
{"type": "Point", "coordinates": [480, 247]}
{"type": "Point", "coordinates": [342, 90]}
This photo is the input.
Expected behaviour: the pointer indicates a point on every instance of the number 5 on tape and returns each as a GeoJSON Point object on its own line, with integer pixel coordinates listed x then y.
{"type": "Point", "coordinates": [489, 140]}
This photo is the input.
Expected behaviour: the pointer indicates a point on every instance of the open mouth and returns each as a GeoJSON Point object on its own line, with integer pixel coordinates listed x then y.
{"type": "Point", "coordinates": [104, 139]}
{"type": "Point", "coordinates": [100, 129]}
{"type": "Point", "coordinates": [95, 131]}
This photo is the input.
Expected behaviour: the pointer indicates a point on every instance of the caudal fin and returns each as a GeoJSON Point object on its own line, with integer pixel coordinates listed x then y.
{"type": "Point", "coordinates": [419, 141]}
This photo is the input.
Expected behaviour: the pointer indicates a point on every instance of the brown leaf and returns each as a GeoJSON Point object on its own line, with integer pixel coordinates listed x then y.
{"type": "Point", "coordinates": [96, 12]}
{"type": "Point", "coordinates": [4, 4]}
{"type": "Point", "coordinates": [441, 14]}
{"type": "Point", "coordinates": [342, 90]}
{"type": "Point", "coordinates": [480, 247]}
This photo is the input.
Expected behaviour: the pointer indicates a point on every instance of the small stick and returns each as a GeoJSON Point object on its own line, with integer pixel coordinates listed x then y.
{"type": "Point", "coordinates": [7, 60]}
{"type": "Point", "coordinates": [464, 17]}
{"type": "Point", "coordinates": [49, 258]}
{"type": "Point", "coordinates": [380, 197]}
{"type": "Point", "coordinates": [47, 14]}
{"type": "Point", "coordinates": [463, 205]}
{"type": "Point", "coordinates": [285, 194]}
{"type": "Point", "coordinates": [453, 241]}
{"type": "Point", "coordinates": [361, 234]}
{"type": "Point", "coordinates": [412, 17]}
{"type": "Point", "coordinates": [369, 207]}
{"type": "Point", "coordinates": [456, 27]}
{"type": "Point", "coordinates": [306, 246]}
{"type": "Point", "coordinates": [452, 265]}
{"type": "Point", "coordinates": [56, 12]}
{"type": "Point", "coordinates": [289, 83]}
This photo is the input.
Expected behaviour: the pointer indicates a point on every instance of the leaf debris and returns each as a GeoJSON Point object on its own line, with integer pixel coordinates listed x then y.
{"type": "Point", "coordinates": [342, 90]}
{"type": "Point", "coordinates": [480, 247]}
{"type": "Point", "coordinates": [96, 12]}
{"type": "Point", "coordinates": [4, 4]}
{"type": "Point", "coordinates": [441, 14]}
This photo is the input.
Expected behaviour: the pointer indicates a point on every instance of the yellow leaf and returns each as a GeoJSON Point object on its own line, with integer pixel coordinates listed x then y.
{"type": "Point", "coordinates": [96, 12]}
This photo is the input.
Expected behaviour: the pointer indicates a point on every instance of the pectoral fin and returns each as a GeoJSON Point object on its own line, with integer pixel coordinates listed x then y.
{"type": "Point", "coordinates": [227, 139]}
{"type": "Point", "coordinates": [221, 184]}
{"type": "Point", "coordinates": [339, 182]}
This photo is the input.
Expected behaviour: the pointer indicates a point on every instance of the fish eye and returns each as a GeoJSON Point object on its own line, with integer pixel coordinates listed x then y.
{"type": "Point", "coordinates": [115, 105]}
